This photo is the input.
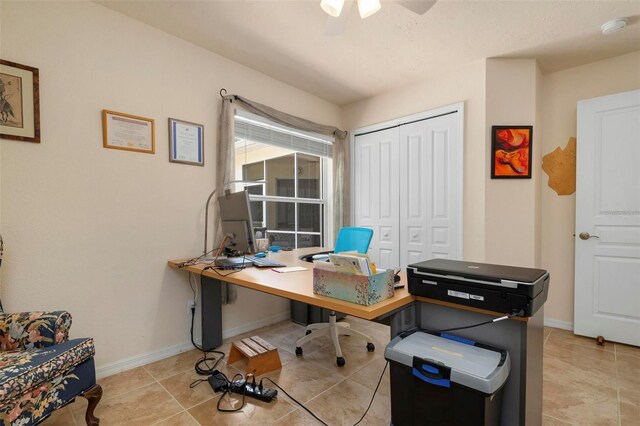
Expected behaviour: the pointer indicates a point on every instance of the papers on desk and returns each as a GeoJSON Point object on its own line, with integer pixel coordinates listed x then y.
{"type": "Point", "coordinates": [289, 269]}
{"type": "Point", "coordinates": [348, 263]}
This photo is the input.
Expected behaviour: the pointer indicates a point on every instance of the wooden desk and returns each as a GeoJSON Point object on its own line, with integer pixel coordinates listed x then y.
{"type": "Point", "coordinates": [294, 285]}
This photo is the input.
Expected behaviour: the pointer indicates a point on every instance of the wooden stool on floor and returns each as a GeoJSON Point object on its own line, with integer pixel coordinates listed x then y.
{"type": "Point", "coordinates": [262, 355]}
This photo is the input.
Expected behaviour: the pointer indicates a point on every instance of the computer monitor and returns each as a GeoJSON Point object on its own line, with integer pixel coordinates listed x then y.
{"type": "Point", "coordinates": [235, 213]}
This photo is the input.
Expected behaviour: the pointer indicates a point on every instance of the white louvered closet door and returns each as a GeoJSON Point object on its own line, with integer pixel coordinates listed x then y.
{"type": "Point", "coordinates": [376, 195]}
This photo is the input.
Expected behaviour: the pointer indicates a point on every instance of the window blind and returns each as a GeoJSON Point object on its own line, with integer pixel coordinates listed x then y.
{"type": "Point", "coordinates": [253, 128]}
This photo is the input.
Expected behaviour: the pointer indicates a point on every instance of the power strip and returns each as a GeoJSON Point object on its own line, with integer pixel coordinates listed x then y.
{"type": "Point", "coordinates": [263, 394]}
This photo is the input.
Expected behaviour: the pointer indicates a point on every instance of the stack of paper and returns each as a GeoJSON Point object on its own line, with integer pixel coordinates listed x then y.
{"type": "Point", "coordinates": [350, 263]}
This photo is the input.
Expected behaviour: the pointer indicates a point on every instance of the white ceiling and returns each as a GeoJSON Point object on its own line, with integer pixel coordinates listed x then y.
{"type": "Point", "coordinates": [394, 47]}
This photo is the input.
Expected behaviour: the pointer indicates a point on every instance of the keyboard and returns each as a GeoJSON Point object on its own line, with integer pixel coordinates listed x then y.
{"type": "Point", "coordinates": [263, 262]}
{"type": "Point", "coordinates": [259, 262]}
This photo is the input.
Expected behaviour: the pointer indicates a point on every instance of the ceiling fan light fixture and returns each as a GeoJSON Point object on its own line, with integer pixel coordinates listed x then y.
{"type": "Point", "coordinates": [332, 7]}
{"type": "Point", "coordinates": [368, 7]}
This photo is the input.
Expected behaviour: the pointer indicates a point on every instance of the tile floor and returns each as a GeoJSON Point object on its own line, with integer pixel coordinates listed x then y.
{"type": "Point", "coordinates": [583, 385]}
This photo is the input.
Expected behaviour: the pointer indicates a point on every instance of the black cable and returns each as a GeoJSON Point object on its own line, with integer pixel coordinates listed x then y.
{"type": "Point", "coordinates": [228, 392]}
{"type": "Point", "coordinates": [196, 260]}
{"type": "Point", "coordinates": [203, 366]}
{"type": "Point", "coordinates": [374, 393]}
{"type": "Point", "coordinates": [193, 260]}
{"type": "Point", "coordinates": [316, 417]}
{"type": "Point", "coordinates": [476, 325]}
{"type": "Point", "coordinates": [216, 270]}
{"type": "Point", "coordinates": [191, 286]}
{"type": "Point", "coordinates": [292, 398]}
{"type": "Point", "coordinates": [206, 359]}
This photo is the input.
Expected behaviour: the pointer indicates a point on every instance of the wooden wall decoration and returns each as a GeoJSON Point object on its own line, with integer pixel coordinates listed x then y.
{"type": "Point", "coordinates": [560, 166]}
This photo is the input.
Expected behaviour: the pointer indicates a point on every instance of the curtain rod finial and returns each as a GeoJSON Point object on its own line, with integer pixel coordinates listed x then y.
{"type": "Point", "coordinates": [221, 92]}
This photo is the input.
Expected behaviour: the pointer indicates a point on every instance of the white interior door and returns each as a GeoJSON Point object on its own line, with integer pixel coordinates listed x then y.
{"type": "Point", "coordinates": [607, 275]}
{"type": "Point", "coordinates": [376, 195]}
{"type": "Point", "coordinates": [430, 189]}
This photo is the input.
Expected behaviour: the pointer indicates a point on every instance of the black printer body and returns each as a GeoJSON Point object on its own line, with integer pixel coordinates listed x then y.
{"type": "Point", "coordinates": [505, 289]}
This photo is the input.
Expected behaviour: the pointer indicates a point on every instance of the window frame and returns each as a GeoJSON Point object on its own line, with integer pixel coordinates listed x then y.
{"type": "Point", "coordinates": [323, 201]}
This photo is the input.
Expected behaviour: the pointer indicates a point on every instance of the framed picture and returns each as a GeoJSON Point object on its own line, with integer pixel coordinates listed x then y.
{"type": "Point", "coordinates": [186, 142]}
{"type": "Point", "coordinates": [128, 132]}
{"type": "Point", "coordinates": [19, 102]}
{"type": "Point", "coordinates": [511, 152]}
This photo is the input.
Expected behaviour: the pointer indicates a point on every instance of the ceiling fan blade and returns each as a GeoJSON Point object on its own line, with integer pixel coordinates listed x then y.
{"type": "Point", "coordinates": [417, 6]}
{"type": "Point", "coordinates": [336, 26]}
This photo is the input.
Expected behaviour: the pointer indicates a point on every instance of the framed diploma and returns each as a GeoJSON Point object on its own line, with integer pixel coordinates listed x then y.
{"type": "Point", "coordinates": [19, 102]}
{"type": "Point", "coordinates": [128, 132]}
{"type": "Point", "coordinates": [186, 142]}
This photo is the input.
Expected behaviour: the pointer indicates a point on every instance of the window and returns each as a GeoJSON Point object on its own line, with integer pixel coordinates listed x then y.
{"type": "Point", "coordinates": [294, 202]}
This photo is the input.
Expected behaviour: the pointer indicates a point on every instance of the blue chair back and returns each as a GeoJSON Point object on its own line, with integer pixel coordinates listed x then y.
{"type": "Point", "coordinates": [353, 238]}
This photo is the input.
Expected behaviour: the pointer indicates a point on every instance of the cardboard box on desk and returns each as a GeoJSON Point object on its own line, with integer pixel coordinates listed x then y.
{"type": "Point", "coordinates": [360, 289]}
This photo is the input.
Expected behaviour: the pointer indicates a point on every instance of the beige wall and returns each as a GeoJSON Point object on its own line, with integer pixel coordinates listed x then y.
{"type": "Point", "coordinates": [561, 91]}
{"type": "Point", "coordinates": [89, 229]}
{"type": "Point", "coordinates": [493, 93]}
{"type": "Point", "coordinates": [546, 233]}
{"type": "Point", "coordinates": [465, 85]}
{"type": "Point", "coordinates": [511, 204]}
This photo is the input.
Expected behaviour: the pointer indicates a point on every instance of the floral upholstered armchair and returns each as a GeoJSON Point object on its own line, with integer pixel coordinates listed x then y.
{"type": "Point", "coordinates": [42, 370]}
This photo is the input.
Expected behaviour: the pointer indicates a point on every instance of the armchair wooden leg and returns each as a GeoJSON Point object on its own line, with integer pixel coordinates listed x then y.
{"type": "Point", "coordinates": [93, 395]}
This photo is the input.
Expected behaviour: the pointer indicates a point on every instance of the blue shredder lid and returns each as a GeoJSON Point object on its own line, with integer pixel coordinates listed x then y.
{"type": "Point", "coordinates": [472, 366]}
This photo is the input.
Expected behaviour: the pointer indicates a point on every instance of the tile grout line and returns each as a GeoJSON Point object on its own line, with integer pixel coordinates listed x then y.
{"type": "Point", "coordinates": [177, 402]}
{"type": "Point", "coordinates": [73, 418]}
{"type": "Point", "coordinates": [555, 418]}
{"type": "Point", "coordinates": [296, 408]}
{"type": "Point", "coordinates": [117, 396]}
{"type": "Point", "coordinates": [120, 394]}
{"type": "Point", "coordinates": [330, 388]}
{"type": "Point", "coordinates": [615, 363]}
{"type": "Point", "coordinates": [134, 389]}
{"type": "Point", "coordinates": [157, 380]}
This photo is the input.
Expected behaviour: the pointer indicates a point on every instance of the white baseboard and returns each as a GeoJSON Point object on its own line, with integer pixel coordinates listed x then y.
{"type": "Point", "coordinates": [550, 322]}
{"type": "Point", "coordinates": [149, 357]}
{"type": "Point", "coordinates": [140, 360]}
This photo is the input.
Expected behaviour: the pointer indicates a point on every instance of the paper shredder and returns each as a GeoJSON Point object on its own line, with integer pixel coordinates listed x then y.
{"type": "Point", "coordinates": [441, 379]}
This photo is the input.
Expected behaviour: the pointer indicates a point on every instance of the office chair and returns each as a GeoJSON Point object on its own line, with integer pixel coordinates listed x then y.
{"type": "Point", "coordinates": [349, 239]}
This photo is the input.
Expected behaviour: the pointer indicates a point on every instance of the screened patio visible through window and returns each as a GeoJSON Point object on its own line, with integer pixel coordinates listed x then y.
{"type": "Point", "coordinates": [294, 203]}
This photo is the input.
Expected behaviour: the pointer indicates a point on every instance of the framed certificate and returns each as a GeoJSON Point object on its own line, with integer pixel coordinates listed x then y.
{"type": "Point", "coordinates": [128, 132]}
{"type": "Point", "coordinates": [186, 142]}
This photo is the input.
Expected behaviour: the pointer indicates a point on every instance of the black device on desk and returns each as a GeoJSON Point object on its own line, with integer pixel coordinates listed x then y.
{"type": "Point", "coordinates": [507, 289]}
{"type": "Point", "coordinates": [259, 262]}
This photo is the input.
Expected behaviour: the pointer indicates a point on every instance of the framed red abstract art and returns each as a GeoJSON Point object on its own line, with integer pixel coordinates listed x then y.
{"type": "Point", "coordinates": [511, 152]}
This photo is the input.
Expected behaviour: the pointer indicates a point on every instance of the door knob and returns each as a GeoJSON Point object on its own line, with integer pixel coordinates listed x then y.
{"type": "Point", "coordinates": [586, 236]}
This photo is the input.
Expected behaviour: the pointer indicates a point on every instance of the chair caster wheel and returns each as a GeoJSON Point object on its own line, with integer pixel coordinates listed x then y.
{"type": "Point", "coordinates": [370, 347]}
{"type": "Point", "coordinates": [298, 351]}
{"type": "Point", "coordinates": [340, 361]}
{"type": "Point", "coordinates": [308, 332]}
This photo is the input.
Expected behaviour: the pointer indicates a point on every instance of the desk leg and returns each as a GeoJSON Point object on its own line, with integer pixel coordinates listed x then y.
{"type": "Point", "coordinates": [403, 319]}
{"type": "Point", "coordinates": [211, 291]}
